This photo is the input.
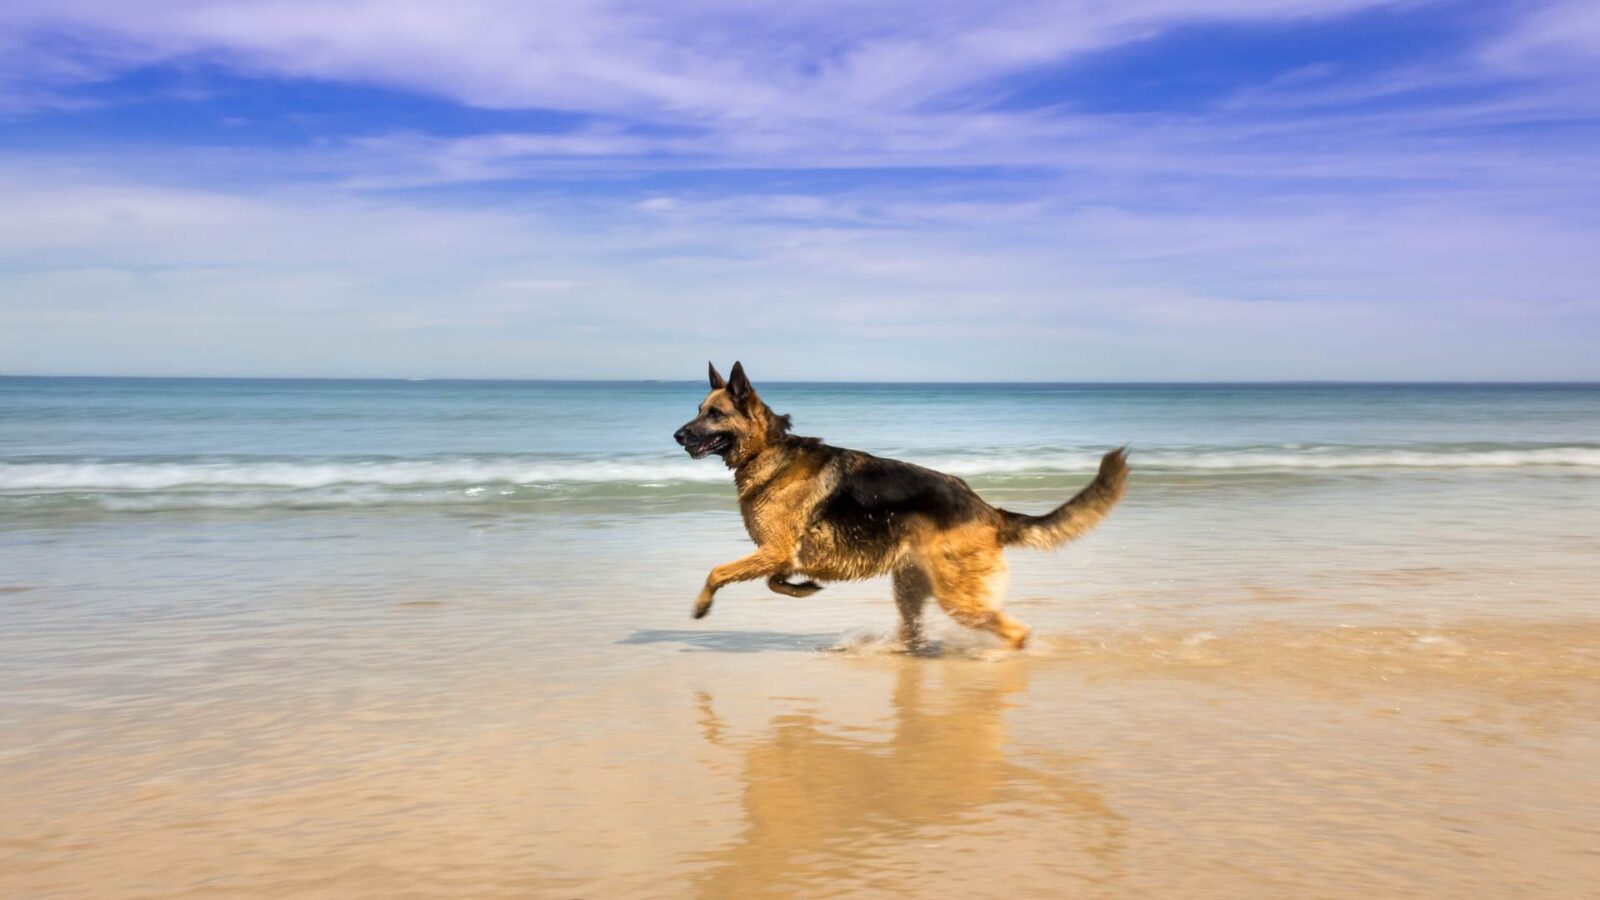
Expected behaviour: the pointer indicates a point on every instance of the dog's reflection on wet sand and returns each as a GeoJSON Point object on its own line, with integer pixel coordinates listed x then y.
{"type": "Point", "coordinates": [818, 802]}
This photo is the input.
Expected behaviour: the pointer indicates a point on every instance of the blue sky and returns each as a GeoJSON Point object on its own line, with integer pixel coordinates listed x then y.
{"type": "Point", "coordinates": [1134, 190]}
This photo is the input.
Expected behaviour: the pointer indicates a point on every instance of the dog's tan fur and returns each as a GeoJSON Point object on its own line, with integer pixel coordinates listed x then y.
{"type": "Point", "coordinates": [830, 514]}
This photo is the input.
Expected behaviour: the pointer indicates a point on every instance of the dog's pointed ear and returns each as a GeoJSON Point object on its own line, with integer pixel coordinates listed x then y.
{"type": "Point", "coordinates": [739, 384]}
{"type": "Point", "coordinates": [717, 383]}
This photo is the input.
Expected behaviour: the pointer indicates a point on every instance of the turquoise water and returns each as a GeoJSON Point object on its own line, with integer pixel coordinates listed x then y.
{"type": "Point", "coordinates": [132, 500]}
{"type": "Point", "coordinates": [123, 446]}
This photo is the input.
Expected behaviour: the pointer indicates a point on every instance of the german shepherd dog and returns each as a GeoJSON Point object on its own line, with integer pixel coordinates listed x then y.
{"type": "Point", "coordinates": [829, 514]}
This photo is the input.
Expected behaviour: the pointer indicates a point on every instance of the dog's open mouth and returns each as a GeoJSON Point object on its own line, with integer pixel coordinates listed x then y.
{"type": "Point", "coordinates": [713, 443]}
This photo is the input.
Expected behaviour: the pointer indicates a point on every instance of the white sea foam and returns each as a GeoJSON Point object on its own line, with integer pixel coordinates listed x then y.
{"type": "Point", "coordinates": [244, 499]}
{"type": "Point", "coordinates": [92, 476]}
{"type": "Point", "coordinates": [393, 473]}
{"type": "Point", "coordinates": [1379, 458]}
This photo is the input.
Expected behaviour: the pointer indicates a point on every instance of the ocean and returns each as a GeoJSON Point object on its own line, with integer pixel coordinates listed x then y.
{"type": "Point", "coordinates": [350, 637]}
{"type": "Point", "coordinates": [84, 445]}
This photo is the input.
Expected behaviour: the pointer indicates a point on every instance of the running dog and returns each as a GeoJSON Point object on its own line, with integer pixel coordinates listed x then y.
{"type": "Point", "coordinates": [830, 514]}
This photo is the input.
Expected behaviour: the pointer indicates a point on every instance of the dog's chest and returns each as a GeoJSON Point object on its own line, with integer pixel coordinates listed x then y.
{"type": "Point", "coordinates": [778, 515]}
{"type": "Point", "coordinates": [770, 521]}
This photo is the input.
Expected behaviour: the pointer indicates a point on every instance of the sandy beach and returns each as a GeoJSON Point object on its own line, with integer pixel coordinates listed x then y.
{"type": "Point", "coordinates": [1271, 761]}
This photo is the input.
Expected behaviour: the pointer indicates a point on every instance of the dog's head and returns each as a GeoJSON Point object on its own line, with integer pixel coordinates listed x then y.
{"type": "Point", "coordinates": [733, 422]}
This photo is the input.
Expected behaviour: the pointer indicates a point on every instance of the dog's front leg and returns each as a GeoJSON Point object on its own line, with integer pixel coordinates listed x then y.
{"type": "Point", "coordinates": [765, 561]}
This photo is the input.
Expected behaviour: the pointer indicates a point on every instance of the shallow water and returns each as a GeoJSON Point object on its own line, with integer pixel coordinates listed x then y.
{"type": "Point", "coordinates": [290, 639]}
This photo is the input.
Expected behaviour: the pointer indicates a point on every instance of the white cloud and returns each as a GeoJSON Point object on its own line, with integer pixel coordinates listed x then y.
{"type": "Point", "coordinates": [1322, 225]}
{"type": "Point", "coordinates": [707, 60]}
{"type": "Point", "coordinates": [104, 276]}
{"type": "Point", "coordinates": [827, 84]}
{"type": "Point", "coordinates": [1557, 36]}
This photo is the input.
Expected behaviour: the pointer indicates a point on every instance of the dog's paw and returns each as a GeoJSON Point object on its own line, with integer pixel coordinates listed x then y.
{"type": "Point", "coordinates": [702, 607]}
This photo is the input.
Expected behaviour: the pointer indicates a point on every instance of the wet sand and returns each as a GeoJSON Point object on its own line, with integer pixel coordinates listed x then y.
{"type": "Point", "coordinates": [1271, 760]}
{"type": "Point", "coordinates": [1377, 686]}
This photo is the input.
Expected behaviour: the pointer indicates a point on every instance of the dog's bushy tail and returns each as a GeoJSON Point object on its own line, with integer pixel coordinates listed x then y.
{"type": "Point", "coordinates": [1077, 516]}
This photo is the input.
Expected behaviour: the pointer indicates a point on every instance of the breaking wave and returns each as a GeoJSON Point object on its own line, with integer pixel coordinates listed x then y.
{"type": "Point", "coordinates": [157, 475]}
{"type": "Point", "coordinates": [235, 482]}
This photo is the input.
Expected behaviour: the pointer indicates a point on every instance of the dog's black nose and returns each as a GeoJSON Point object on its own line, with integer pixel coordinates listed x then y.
{"type": "Point", "coordinates": [681, 435]}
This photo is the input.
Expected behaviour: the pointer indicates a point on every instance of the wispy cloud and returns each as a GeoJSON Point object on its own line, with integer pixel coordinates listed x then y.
{"type": "Point", "coordinates": [711, 59]}
{"type": "Point", "coordinates": [1556, 36]}
{"type": "Point", "coordinates": [872, 190]}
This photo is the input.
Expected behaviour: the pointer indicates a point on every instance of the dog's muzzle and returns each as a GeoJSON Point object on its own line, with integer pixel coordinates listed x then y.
{"type": "Point", "coordinates": [701, 445]}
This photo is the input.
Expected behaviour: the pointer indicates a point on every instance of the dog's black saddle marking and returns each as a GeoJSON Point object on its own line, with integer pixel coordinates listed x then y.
{"type": "Point", "coordinates": [876, 495]}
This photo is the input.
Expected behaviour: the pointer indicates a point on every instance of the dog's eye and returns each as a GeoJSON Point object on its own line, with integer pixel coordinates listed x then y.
{"type": "Point", "coordinates": [713, 414]}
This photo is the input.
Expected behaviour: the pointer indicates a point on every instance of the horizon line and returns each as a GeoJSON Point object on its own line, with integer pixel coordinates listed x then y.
{"type": "Point", "coordinates": [807, 381]}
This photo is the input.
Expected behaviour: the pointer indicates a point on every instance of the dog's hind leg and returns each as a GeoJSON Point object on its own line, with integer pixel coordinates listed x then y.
{"type": "Point", "coordinates": [970, 585]}
{"type": "Point", "coordinates": [911, 590]}
{"type": "Point", "coordinates": [778, 584]}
